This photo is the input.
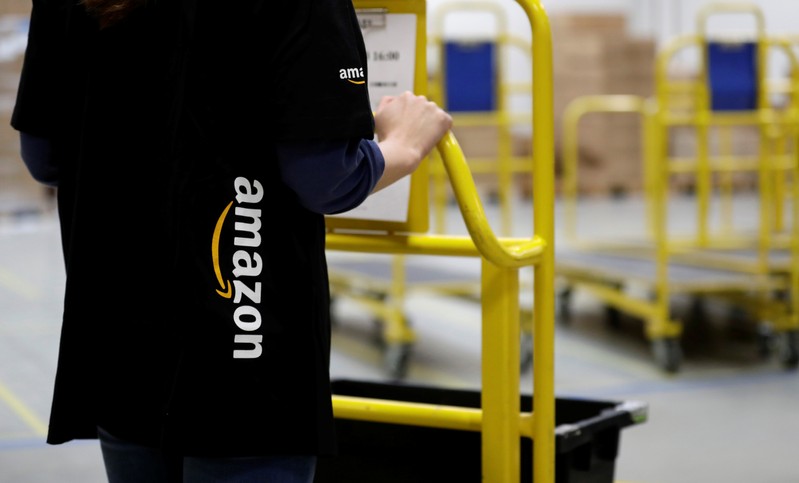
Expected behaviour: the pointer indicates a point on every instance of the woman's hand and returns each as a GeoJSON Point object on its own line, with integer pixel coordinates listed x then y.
{"type": "Point", "coordinates": [408, 127]}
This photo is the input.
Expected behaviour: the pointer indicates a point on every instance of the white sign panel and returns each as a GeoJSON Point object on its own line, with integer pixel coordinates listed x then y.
{"type": "Point", "coordinates": [391, 59]}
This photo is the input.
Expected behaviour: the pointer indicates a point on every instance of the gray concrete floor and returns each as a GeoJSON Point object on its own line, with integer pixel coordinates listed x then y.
{"type": "Point", "coordinates": [728, 415]}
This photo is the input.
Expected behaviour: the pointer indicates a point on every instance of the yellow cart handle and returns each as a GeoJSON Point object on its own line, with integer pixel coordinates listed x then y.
{"type": "Point", "coordinates": [507, 255]}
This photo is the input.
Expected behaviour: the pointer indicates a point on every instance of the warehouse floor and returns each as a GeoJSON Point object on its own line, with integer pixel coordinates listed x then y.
{"type": "Point", "coordinates": [728, 415]}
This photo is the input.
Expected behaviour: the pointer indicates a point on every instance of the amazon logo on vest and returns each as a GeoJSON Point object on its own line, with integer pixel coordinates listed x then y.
{"type": "Point", "coordinates": [353, 75]}
{"type": "Point", "coordinates": [245, 291]}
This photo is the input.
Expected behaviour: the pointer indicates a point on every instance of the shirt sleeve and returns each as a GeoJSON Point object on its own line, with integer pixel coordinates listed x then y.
{"type": "Point", "coordinates": [36, 94]}
{"type": "Point", "coordinates": [287, 72]}
{"type": "Point", "coordinates": [320, 87]}
{"type": "Point", "coordinates": [38, 157]}
{"type": "Point", "coordinates": [331, 177]}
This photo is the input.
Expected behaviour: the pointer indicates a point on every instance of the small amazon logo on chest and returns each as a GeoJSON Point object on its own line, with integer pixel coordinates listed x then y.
{"type": "Point", "coordinates": [353, 75]}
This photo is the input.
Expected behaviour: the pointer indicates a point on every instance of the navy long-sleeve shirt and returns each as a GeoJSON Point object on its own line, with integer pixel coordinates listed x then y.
{"type": "Point", "coordinates": [35, 152]}
{"type": "Point", "coordinates": [331, 177]}
{"type": "Point", "coordinates": [328, 177]}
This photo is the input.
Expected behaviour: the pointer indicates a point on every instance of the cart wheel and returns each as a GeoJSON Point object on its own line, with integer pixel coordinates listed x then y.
{"type": "Point", "coordinates": [697, 313]}
{"type": "Point", "coordinates": [668, 354]}
{"type": "Point", "coordinates": [765, 341]}
{"type": "Point", "coordinates": [396, 358]}
{"type": "Point", "coordinates": [613, 317]}
{"type": "Point", "coordinates": [526, 351]}
{"type": "Point", "coordinates": [377, 333]}
{"type": "Point", "coordinates": [738, 317]}
{"type": "Point", "coordinates": [564, 298]}
{"type": "Point", "coordinates": [789, 349]}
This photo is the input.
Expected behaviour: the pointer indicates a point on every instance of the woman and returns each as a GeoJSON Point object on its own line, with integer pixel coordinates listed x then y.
{"type": "Point", "coordinates": [195, 150]}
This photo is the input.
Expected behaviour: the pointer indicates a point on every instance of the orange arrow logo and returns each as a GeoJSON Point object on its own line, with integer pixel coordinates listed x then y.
{"type": "Point", "coordinates": [227, 290]}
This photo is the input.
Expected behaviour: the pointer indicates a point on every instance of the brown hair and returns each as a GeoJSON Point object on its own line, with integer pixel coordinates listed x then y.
{"type": "Point", "coordinates": [109, 12]}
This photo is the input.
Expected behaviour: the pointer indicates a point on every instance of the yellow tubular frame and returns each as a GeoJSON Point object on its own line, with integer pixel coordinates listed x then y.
{"type": "Point", "coordinates": [572, 114]}
{"type": "Point", "coordinates": [771, 164]}
{"type": "Point", "coordinates": [654, 312]}
{"type": "Point", "coordinates": [499, 419]}
{"type": "Point", "coordinates": [774, 162]}
{"type": "Point", "coordinates": [776, 128]}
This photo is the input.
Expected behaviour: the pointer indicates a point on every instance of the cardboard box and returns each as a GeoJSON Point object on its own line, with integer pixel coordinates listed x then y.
{"type": "Point", "coordinates": [15, 7]}
{"type": "Point", "coordinates": [594, 55]}
{"type": "Point", "coordinates": [602, 24]}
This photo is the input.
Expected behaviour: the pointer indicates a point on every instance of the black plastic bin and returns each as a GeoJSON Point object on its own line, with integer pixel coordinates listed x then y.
{"type": "Point", "coordinates": [587, 440]}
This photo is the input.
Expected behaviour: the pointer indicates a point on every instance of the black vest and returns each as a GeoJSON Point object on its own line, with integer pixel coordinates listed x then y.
{"type": "Point", "coordinates": [196, 309]}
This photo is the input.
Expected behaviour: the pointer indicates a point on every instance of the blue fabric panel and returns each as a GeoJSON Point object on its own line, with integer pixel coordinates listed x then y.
{"type": "Point", "coordinates": [732, 74]}
{"type": "Point", "coordinates": [470, 76]}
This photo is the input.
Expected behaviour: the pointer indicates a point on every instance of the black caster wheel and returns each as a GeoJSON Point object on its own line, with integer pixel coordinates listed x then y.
{"type": "Point", "coordinates": [697, 313]}
{"type": "Point", "coordinates": [789, 349]}
{"type": "Point", "coordinates": [668, 353]}
{"type": "Point", "coordinates": [377, 333]}
{"type": "Point", "coordinates": [563, 305]}
{"type": "Point", "coordinates": [613, 317]}
{"type": "Point", "coordinates": [765, 342]}
{"type": "Point", "coordinates": [396, 358]}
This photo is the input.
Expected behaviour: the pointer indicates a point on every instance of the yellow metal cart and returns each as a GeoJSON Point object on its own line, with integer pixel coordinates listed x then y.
{"type": "Point", "coordinates": [381, 284]}
{"type": "Point", "coordinates": [754, 271]}
{"type": "Point", "coordinates": [504, 421]}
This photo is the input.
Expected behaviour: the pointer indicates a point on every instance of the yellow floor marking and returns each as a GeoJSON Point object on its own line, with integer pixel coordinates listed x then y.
{"type": "Point", "coordinates": [21, 410]}
{"type": "Point", "coordinates": [15, 284]}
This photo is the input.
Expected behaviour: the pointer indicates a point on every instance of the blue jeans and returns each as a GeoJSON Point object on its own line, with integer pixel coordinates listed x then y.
{"type": "Point", "coordinates": [127, 462]}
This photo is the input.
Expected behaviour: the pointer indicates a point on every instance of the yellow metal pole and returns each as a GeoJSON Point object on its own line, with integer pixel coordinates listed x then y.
{"type": "Point", "coordinates": [500, 381]}
{"type": "Point", "coordinates": [396, 329]}
{"type": "Point", "coordinates": [794, 233]}
{"type": "Point", "coordinates": [655, 135]}
{"type": "Point", "coordinates": [570, 160]}
{"type": "Point", "coordinates": [543, 224]}
{"type": "Point", "coordinates": [654, 159]}
{"type": "Point", "coordinates": [508, 252]}
{"type": "Point", "coordinates": [779, 146]}
{"type": "Point", "coordinates": [703, 177]}
{"type": "Point", "coordinates": [701, 120]}
{"type": "Point", "coordinates": [726, 189]}
{"type": "Point", "coordinates": [404, 412]}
